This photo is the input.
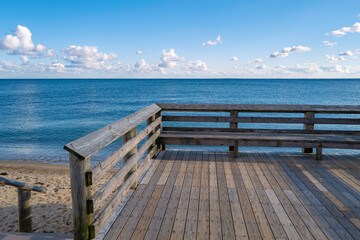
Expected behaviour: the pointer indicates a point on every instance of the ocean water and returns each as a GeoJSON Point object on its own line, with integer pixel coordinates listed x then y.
{"type": "Point", "coordinates": [38, 117]}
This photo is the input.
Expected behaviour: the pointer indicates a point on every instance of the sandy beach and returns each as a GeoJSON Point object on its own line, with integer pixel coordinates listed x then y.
{"type": "Point", "coordinates": [51, 211]}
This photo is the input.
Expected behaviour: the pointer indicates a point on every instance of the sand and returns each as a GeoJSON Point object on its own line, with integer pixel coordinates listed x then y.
{"type": "Point", "coordinates": [51, 211]}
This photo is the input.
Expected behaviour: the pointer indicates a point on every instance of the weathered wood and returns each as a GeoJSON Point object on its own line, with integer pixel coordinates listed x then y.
{"type": "Point", "coordinates": [93, 142]}
{"type": "Point", "coordinates": [319, 153]}
{"type": "Point", "coordinates": [24, 202]}
{"type": "Point", "coordinates": [149, 121]}
{"type": "Point", "coordinates": [102, 217]}
{"type": "Point", "coordinates": [277, 120]}
{"type": "Point", "coordinates": [126, 137]}
{"type": "Point", "coordinates": [110, 161]}
{"type": "Point", "coordinates": [308, 115]}
{"type": "Point", "coordinates": [258, 130]}
{"type": "Point", "coordinates": [119, 177]}
{"type": "Point", "coordinates": [21, 185]}
{"type": "Point", "coordinates": [353, 109]}
{"type": "Point", "coordinates": [234, 125]}
{"type": "Point", "coordinates": [264, 140]}
{"type": "Point", "coordinates": [80, 193]}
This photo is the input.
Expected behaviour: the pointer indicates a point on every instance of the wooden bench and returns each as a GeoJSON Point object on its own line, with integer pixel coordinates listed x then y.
{"type": "Point", "coordinates": [307, 138]}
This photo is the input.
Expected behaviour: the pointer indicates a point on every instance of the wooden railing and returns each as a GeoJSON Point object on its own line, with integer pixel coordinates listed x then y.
{"type": "Point", "coordinates": [24, 202]}
{"type": "Point", "coordinates": [91, 210]}
{"type": "Point", "coordinates": [308, 121]}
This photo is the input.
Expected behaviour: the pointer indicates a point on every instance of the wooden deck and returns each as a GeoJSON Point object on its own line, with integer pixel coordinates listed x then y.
{"type": "Point", "coordinates": [260, 195]}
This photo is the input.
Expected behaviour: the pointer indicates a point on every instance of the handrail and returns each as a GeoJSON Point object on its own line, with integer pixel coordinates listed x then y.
{"type": "Point", "coordinates": [278, 108]}
{"type": "Point", "coordinates": [88, 145]}
{"type": "Point", "coordinates": [24, 202]}
{"type": "Point", "coordinates": [21, 185]}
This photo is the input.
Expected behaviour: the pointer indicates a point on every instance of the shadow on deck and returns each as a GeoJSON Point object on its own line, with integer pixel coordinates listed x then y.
{"type": "Point", "coordinates": [260, 195]}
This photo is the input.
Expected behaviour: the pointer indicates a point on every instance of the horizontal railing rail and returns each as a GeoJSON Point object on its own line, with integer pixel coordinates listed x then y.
{"type": "Point", "coordinates": [278, 108]}
{"type": "Point", "coordinates": [92, 210]}
{"type": "Point", "coordinates": [280, 120]}
{"type": "Point", "coordinates": [308, 121]}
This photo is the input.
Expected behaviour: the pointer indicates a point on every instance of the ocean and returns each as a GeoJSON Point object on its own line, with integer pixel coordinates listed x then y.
{"type": "Point", "coordinates": [39, 116]}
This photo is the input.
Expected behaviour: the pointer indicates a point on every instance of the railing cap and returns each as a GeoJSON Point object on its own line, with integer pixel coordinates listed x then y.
{"type": "Point", "coordinates": [95, 141]}
{"type": "Point", "coordinates": [354, 109]}
{"type": "Point", "coordinates": [21, 185]}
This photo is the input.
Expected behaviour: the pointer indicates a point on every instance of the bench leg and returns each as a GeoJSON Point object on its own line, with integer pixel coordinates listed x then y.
{"type": "Point", "coordinates": [319, 153]}
{"type": "Point", "coordinates": [307, 150]}
{"type": "Point", "coordinates": [235, 151]}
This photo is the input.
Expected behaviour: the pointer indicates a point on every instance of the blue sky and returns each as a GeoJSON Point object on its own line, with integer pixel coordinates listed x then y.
{"type": "Point", "coordinates": [179, 39]}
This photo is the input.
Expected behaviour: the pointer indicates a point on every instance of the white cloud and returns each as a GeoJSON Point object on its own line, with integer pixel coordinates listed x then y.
{"type": "Point", "coordinates": [346, 53]}
{"type": "Point", "coordinates": [139, 52]}
{"type": "Point", "coordinates": [139, 67]}
{"type": "Point", "coordinates": [234, 59]}
{"type": "Point", "coordinates": [258, 60]}
{"type": "Point", "coordinates": [333, 58]}
{"type": "Point", "coordinates": [261, 67]}
{"type": "Point", "coordinates": [213, 43]}
{"type": "Point", "coordinates": [40, 48]}
{"type": "Point", "coordinates": [197, 66]}
{"type": "Point", "coordinates": [87, 57]}
{"type": "Point", "coordinates": [336, 69]}
{"type": "Point", "coordinates": [355, 28]}
{"type": "Point", "coordinates": [21, 43]}
{"type": "Point", "coordinates": [169, 59]}
{"type": "Point", "coordinates": [50, 53]}
{"type": "Point", "coordinates": [218, 39]}
{"type": "Point", "coordinates": [328, 43]}
{"type": "Point", "coordinates": [24, 59]}
{"type": "Point", "coordinates": [305, 68]}
{"type": "Point", "coordinates": [56, 67]}
{"type": "Point", "coordinates": [279, 55]}
{"type": "Point", "coordinates": [10, 42]}
{"type": "Point", "coordinates": [285, 52]}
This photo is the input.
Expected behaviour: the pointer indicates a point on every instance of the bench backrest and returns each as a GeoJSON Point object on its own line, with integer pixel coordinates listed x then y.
{"type": "Point", "coordinates": [262, 118]}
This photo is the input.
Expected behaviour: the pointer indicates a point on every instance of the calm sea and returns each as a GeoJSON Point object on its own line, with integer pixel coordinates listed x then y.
{"type": "Point", "coordinates": [37, 117]}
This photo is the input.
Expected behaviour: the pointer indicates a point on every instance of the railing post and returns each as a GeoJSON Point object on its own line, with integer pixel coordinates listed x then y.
{"type": "Point", "coordinates": [126, 137]}
{"type": "Point", "coordinates": [148, 122]}
{"type": "Point", "coordinates": [234, 125]}
{"type": "Point", "coordinates": [80, 193]}
{"type": "Point", "coordinates": [160, 146]}
{"type": "Point", "coordinates": [24, 201]}
{"type": "Point", "coordinates": [311, 116]}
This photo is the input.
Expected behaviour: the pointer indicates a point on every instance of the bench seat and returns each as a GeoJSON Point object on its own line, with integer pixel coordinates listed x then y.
{"type": "Point", "coordinates": [317, 141]}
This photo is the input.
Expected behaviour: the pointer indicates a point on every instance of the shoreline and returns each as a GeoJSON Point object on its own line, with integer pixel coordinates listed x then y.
{"type": "Point", "coordinates": [51, 211]}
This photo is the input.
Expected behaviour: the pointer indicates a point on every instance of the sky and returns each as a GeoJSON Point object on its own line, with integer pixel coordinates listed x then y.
{"type": "Point", "coordinates": [180, 39]}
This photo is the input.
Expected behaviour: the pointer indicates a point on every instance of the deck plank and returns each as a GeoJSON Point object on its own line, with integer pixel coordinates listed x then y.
{"type": "Point", "coordinates": [227, 224]}
{"type": "Point", "coordinates": [165, 228]}
{"type": "Point", "coordinates": [160, 197]}
{"type": "Point", "coordinates": [193, 209]}
{"type": "Point", "coordinates": [189, 194]}
{"type": "Point", "coordinates": [120, 221]}
{"type": "Point", "coordinates": [180, 218]}
{"type": "Point", "coordinates": [203, 228]}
